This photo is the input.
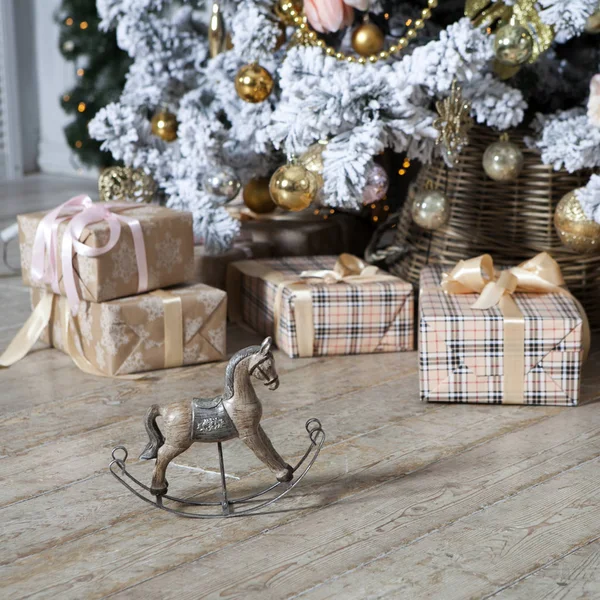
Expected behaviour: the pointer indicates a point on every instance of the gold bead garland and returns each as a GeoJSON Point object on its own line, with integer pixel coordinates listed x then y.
{"type": "Point", "coordinates": [305, 35]}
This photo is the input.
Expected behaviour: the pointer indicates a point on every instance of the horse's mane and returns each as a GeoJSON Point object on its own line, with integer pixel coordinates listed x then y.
{"type": "Point", "coordinates": [233, 363]}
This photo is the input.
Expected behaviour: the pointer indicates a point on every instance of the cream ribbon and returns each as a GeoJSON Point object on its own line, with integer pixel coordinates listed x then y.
{"type": "Point", "coordinates": [41, 316]}
{"type": "Point", "coordinates": [539, 275]}
{"type": "Point", "coordinates": [349, 269]}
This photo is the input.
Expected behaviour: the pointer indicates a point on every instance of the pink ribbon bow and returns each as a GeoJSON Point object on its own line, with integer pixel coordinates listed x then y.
{"type": "Point", "coordinates": [82, 212]}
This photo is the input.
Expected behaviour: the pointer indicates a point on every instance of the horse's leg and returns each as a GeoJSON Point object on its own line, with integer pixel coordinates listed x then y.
{"type": "Point", "coordinates": [258, 441]}
{"type": "Point", "coordinates": [166, 454]}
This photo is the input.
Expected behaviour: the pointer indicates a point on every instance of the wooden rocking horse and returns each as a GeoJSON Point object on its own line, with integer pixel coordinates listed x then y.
{"type": "Point", "coordinates": [235, 413]}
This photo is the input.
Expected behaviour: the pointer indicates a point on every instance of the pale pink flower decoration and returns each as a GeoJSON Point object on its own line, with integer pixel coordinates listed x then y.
{"type": "Point", "coordinates": [327, 16]}
{"type": "Point", "coordinates": [594, 101]}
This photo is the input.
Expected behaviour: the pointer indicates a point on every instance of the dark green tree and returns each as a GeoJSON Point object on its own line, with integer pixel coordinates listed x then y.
{"type": "Point", "coordinates": [100, 67]}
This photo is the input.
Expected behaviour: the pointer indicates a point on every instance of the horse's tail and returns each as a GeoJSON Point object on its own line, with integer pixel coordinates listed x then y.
{"type": "Point", "coordinates": [156, 437]}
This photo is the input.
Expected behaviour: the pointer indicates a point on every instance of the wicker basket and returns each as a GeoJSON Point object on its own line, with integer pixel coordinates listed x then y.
{"type": "Point", "coordinates": [511, 221]}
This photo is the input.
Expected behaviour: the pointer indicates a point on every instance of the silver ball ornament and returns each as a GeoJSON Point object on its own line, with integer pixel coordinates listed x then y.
{"type": "Point", "coordinates": [222, 182]}
{"type": "Point", "coordinates": [377, 185]}
{"type": "Point", "coordinates": [430, 209]}
{"type": "Point", "coordinates": [502, 160]}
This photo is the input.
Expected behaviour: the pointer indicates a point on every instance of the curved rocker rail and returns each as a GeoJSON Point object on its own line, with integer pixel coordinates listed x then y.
{"type": "Point", "coordinates": [317, 439]}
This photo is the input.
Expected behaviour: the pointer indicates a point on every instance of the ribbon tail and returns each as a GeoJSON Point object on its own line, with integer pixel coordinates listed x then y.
{"type": "Point", "coordinates": [29, 334]}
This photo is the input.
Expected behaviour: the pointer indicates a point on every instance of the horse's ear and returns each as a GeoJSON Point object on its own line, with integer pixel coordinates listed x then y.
{"type": "Point", "coordinates": [266, 345]}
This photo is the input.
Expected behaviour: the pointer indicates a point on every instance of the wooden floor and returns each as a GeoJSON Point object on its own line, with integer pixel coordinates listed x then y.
{"type": "Point", "coordinates": [407, 500]}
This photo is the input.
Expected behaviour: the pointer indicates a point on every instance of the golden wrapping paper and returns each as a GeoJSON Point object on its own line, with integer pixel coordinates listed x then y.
{"type": "Point", "coordinates": [169, 242]}
{"type": "Point", "coordinates": [166, 328]}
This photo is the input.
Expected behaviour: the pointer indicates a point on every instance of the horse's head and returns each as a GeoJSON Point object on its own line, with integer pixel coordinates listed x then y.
{"type": "Point", "coordinates": [262, 365]}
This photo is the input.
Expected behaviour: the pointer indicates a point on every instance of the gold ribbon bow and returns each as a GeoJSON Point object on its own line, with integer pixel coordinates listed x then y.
{"type": "Point", "coordinates": [539, 275]}
{"type": "Point", "coordinates": [41, 316]}
{"type": "Point", "coordinates": [348, 269]}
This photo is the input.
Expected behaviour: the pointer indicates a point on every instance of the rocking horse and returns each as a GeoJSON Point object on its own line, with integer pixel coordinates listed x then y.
{"type": "Point", "coordinates": [234, 414]}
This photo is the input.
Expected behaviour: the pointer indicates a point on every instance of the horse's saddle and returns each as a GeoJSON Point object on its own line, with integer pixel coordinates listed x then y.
{"type": "Point", "coordinates": [210, 421]}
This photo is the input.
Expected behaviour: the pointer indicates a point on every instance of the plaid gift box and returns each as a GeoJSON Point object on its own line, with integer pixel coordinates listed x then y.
{"type": "Point", "coordinates": [353, 317]}
{"type": "Point", "coordinates": [462, 350]}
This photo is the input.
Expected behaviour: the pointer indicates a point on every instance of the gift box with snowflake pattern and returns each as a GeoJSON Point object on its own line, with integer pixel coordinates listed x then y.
{"type": "Point", "coordinates": [169, 253]}
{"type": "Point", "coordinates": [129, 335]}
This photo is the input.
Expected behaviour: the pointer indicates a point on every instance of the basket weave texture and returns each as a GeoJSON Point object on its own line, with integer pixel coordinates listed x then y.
{"type": "Point", "coordinates": [512, 221]}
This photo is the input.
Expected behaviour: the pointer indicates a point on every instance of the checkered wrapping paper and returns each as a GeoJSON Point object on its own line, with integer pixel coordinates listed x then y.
{"type": "Point", "coordinates": [352, 318]}
{"type": "Point", "coordinates": [461, 350]}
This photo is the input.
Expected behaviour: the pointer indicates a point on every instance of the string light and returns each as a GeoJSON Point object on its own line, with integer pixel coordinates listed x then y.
{"type": "Point", "coordinates": [78, 144]}
{"type": "Point", "coordinates": [375, 219]}
{"type": "Point", "coordinates": [83, 25]}
{"type": "Point", "coordinates": [81, 107]}
{"type": "Point", "coordinates": [66, 98]}
{"type": "Point", "coordinates": [69, 22]}
{"type": "Point", "coordinates": [406, 163]}
{"type": "Point", "coordinates": [80, 72]}
{"type": "Point", "coordinates": [401, 172]}
{"type": "Point", "coordinates": [408, 22]}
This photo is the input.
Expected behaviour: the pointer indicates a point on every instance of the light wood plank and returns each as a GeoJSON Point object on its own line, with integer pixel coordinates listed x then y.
{"type": "Point", "coordinates": [478, 554]}
{"type": "Point", "coordinates": [345, 469]}
{"type": "Point", "coordinates": [576, 575]}
{"type": "Point", "coordinates": [349, 534]}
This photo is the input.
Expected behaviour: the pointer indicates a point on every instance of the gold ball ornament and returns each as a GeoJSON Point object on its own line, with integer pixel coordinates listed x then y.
{"type": "Point", "coordinates": [293, 187]}
{"type": "Point", "coordinates": [125, 184]}
{"type": "Point", "coordinates": [257, 197]}
{"type": "Point", "coordinates": [368, 39]}
{"type": "Point", "coordinates": [513, 45]}
{"type": "Point", "coordinates": [253, 83]}
{"type": "Point", "coordinates": [502, 160]}
{"type": "Point", "coordinates": [164, 125]}
{"type": "Point", "coordinates": [574, 229]}
{"type": "Point", "coordinates": [430, 209]}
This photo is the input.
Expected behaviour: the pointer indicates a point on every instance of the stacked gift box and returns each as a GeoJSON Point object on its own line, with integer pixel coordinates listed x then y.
{"type": "Point", "coordinates": [109, 280]}
{"type": "Point", "coordinates": [112, 277]}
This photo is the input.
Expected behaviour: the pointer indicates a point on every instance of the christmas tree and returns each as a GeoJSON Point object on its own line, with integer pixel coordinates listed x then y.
{"type": "Point", "coordinates": [226, 93]}
{"type": "Point", "coordinates": [100, 67]}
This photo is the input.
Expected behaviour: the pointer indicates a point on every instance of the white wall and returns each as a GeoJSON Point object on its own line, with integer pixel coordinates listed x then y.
{"type": "Point", "coordinates": [54, 77]}
{"type": "Point", "coordinates": [11, 161]}
{"type": "Point", "coordinates": [28, 87]}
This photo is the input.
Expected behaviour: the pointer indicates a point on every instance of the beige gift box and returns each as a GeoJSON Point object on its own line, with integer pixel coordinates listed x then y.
{"type": "Point", "coordinates": [180, 326]}
{"type": "Point", "coordinates": [169, 242]}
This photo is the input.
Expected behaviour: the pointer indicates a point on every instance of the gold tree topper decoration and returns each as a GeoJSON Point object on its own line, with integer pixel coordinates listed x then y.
{"type": "Point", "coordinates": [454, 122]}
{"type": "Point", "coordinates": [486, 13]}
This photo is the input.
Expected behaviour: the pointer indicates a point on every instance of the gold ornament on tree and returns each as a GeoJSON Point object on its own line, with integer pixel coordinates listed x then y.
{"type": "Point", "coordinates": [367, 39]}
{"type": "Point", "coordinates": [125, 184]}
{"type": "Point", "coordinates": [253, 83]}
{"type": "Point", "coordinates": [513, 45]}
{"type": "Point", "coordinates": [454, 122]}
{"type": "Point", "coordinates": [293, 187]}
{"type": "Point", "coordinates": [503, 160]}
{"type": "Point", "coordinates": [257, 197]}
{"type": "Point", "coordinates": [574, 229]}
{"type": "Point", "coordinates": [164, 125]}
{"type": "Point", "coordinates": [430, 208]}
{"type": "Point", "coordinates": [366, 35]}
{"type": "Point", "coordinates": [217, 39]}
{"type": "Point", "coordinates": [521, 35]}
